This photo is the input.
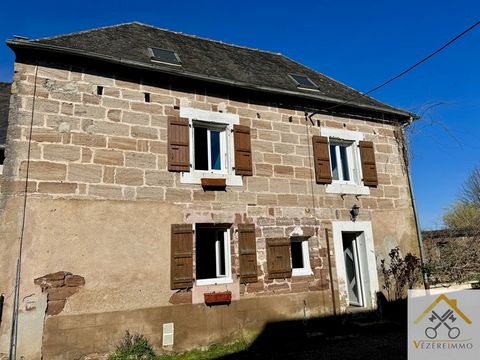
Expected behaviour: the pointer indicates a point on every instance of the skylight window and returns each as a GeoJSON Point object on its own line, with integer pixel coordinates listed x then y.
{"type": "Point", "coordinates": [165, 56]}
{"type": "Point", "coordinates": [303, 81]}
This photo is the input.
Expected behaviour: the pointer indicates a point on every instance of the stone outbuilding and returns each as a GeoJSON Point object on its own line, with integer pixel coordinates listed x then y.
{"type": "Point", "coordinates": [189, 190]}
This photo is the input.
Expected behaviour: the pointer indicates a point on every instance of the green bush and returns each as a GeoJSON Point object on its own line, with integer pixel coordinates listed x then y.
{"type": "Point", "coordinates": [133, 347]}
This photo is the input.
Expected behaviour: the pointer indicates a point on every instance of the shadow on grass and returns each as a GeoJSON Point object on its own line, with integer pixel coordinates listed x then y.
{"type": "Point", "coordinates": [356, 335]}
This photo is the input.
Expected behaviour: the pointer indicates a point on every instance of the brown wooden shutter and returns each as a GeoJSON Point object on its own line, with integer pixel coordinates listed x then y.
{"type": "Point", "coordinates": [243, 150]}
{"type": "Point", "coordinates": [321, 157]}
{"type": "Point", "coordinates": [247, 245]}
{"type": "Point", "coordinates": [278, 258]}
{"type": "Point", "coordinates": [369, 168]}
{"type": "Point", "coordinates": [178, 142]}
{"type": "Point", "coordinates": [181, 264]}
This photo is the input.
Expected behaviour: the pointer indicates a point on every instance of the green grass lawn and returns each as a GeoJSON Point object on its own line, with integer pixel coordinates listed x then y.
{"type": "Point", "coordinates": [212, 352]}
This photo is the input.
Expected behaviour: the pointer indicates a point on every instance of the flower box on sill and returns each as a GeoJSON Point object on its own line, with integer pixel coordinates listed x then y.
{"type": "Point", "coordinates": [214, 183]}
{"type": "Point", "coordinates": [218, 298]}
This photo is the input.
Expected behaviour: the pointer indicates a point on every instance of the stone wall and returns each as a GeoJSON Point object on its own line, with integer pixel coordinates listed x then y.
{"type": "Point", "coordinates": [100, 198]}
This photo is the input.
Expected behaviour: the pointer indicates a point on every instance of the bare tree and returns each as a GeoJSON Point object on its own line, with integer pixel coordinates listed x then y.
{"type": "Point", "coordinates": [470, 193]}
{"type": "Point", "coordinates": [465, 213]}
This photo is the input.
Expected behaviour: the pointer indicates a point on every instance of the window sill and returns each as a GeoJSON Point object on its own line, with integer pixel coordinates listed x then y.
{"type": "Point", "coordinates": [342, 188]}
{"type": "Point", "coordinates": [217, 281]}
{"type": "Point", "coordinates": [195, 177]}
{"type": "Point", "coordinates": [302, 272]}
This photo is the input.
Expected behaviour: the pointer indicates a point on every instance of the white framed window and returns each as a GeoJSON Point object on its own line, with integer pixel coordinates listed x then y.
{"type": "Point", "coordinates": [211, 146]}
{"type": "Point", "coordinates": [2, 157]}
{"type": "Point", "coordinates": [212, 255]}
{"type": "Point", "coordinates": [345, 162]}
{"type": "Point", "coordinates": [300, 256]}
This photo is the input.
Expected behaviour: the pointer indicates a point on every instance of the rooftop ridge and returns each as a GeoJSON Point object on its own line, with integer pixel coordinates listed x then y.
{"type": "Point", "coordinates": [208, 39]}
{"type": "Point", "coordinates": [161, 29]}
{"type": "Point", "coordinates": [84, 31]}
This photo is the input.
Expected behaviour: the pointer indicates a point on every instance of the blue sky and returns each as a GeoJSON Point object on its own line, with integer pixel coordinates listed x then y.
{"type": "Point", "coordinates": [360, 43]}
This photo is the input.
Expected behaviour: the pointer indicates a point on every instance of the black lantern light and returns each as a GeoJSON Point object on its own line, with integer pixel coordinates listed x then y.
{"type": "Point", "coordinates": [354, 212]}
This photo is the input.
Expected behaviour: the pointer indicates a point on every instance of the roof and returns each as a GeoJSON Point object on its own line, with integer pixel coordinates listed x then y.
{"type": "Point", "coordinates": [204, 59]}
{"type": "Point", "coordinates": [4, 108]}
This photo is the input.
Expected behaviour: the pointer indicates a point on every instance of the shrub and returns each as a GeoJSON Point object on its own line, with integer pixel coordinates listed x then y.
{"type": "Point", "coordinates": [133, 347]}
{"type": "Point", "coordinates": [400, 273]}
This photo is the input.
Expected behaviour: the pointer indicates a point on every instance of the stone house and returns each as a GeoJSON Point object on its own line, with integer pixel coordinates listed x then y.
{"type": "Point", "coordinates": [189, 190]}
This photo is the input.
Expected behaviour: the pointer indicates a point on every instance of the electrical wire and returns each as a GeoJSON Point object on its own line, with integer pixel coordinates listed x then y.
{"type": "Point", "coordinates": [424, 59]}
{"type": "Point", "coordinates": [14, 329]}
{"type": "Point", "coordinates": [411, 67]}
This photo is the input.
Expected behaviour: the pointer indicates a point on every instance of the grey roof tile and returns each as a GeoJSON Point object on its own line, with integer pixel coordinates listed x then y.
{"type": "Point", "coordinates": [209, 58]}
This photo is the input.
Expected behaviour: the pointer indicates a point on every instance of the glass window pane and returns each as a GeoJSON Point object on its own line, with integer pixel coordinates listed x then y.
{"type": "Point", "coordinates": [221, 251]}
{"type": "Point", "coordinates": [205, 244]}
{"type": "Point", "coordinates": [344, 160]}
{"type": "Point", "coordinates": [201, 153]}
{"type": "Point", "coordinates": [333, 161]}
{"type": "Point", "coordinates": [216, 163]}
{"type": "Point", "coordinates": [297, 255]}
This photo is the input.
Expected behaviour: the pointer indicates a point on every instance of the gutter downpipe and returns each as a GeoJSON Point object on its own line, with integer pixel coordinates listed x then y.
{"type": "Point", "coordinates": [426, 283]}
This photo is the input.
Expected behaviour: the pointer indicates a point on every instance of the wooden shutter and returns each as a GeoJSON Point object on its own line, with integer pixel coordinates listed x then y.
{"type": "Point", "coordinates": [247, 245]}
{"type": "Point", "coordinates": [369, 168]}
{"type": "Point", "coordinates": [178, 142]}
{"type": "Point", "coordinates": [279, 265]}
{"type": "Point", "coordinates": [243, 150]}
{"type": "Point", "coordinates": [321, 157]}
{"type": "Point", "coordinates": [181, 264]}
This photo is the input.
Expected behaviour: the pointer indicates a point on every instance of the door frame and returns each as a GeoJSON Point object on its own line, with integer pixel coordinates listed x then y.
{"type": "Point", "coordinates": [366, 260]}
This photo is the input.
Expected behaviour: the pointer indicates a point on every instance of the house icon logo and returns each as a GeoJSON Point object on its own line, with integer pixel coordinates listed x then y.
{"type": "Point", "coordinates": [450, 318]}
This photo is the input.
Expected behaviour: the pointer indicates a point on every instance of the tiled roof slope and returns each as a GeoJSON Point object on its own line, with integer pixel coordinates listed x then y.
{"type": "Point", "coordinates": [4, 107]}
{"type": "Point", "coordinates": [211, 59]}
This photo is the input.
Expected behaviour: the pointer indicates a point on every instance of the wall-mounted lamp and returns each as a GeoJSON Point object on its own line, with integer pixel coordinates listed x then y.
{"type": "Point", "coordinates": [354, 211]}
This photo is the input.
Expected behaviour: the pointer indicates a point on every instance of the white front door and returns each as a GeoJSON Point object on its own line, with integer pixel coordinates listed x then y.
{"type": "Point", "coordinates": [356, 263]}
{"type": "Point", "coordinates": [352, 269]}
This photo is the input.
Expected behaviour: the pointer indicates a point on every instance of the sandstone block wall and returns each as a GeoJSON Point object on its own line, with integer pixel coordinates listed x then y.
{"type": "Point", "coordinates": [91, 155]}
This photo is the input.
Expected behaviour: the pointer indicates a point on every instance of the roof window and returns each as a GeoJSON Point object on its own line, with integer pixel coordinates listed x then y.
{"type": "Point", "coordinates": [165, 56]}
{"type": "Point", "coordinates": [303, 81]}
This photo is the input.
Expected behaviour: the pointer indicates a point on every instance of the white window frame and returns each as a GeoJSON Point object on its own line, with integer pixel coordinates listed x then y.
{"type": "Point", "coordinates": [367, 260]}
{"type": "Point", "coordinates": [221, 278]}
{"type": "Point", "coordinates": [212, 119]}
{"type": "Point", "coordinates": [225, 163]}
{"type": "Point", "coordinates": [355, 185]}
{"type": "Point", "coordinates": [306, 270]}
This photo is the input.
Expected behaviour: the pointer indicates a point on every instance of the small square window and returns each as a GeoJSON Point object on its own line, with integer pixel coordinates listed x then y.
{"type": "Point", "coordinates": [212, 247]}
{"type": "Point", "coordinates": [300, 256]}
{"type": "Point", "coordinates": [165, 56]}
{"type": "Point", "coordinates": [303, 81]}
{"type": "Point", "coordinates": [209, 147]}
